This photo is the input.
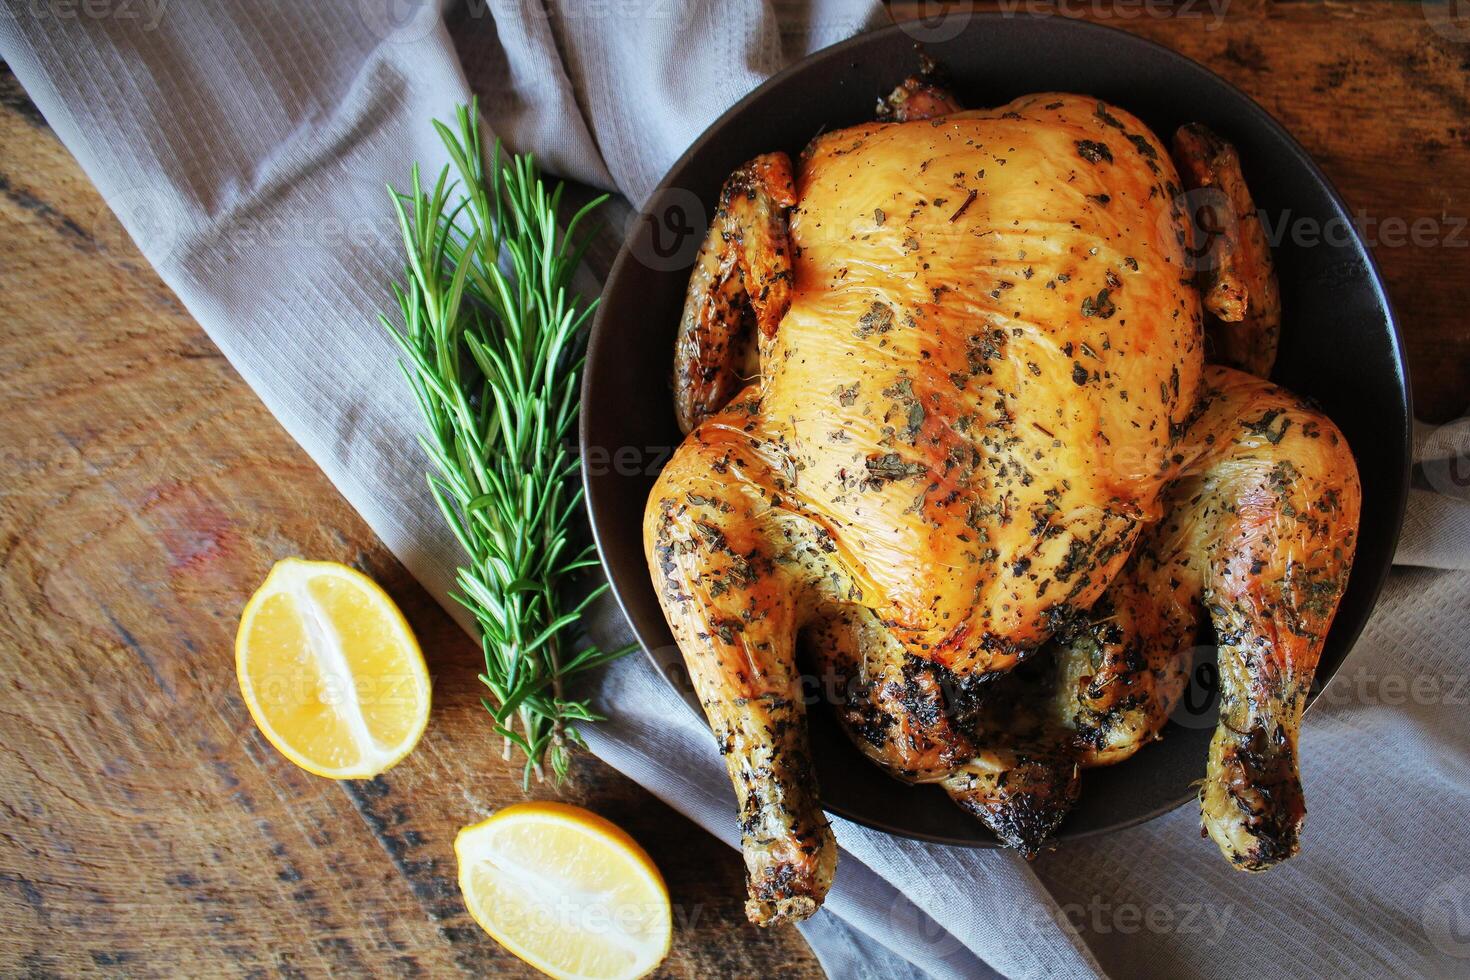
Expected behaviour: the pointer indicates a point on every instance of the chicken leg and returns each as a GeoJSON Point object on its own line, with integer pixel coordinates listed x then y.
{"type": "Point", "coordinates": [720, 548]}
{"type": "Point", "coordinates": [1260, 533]}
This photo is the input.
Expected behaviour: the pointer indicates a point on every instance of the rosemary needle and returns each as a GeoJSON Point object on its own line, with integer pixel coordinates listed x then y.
{"type": "Point", "coordinates": [492, 339]}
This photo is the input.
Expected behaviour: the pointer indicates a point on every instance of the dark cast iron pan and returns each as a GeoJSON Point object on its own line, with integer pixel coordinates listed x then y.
{"type": "Point", "coordinates": [1339, 346]}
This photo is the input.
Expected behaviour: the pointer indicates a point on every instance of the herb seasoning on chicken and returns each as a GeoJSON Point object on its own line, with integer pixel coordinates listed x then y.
{"type": "Point", "coordinates": [981, 473]}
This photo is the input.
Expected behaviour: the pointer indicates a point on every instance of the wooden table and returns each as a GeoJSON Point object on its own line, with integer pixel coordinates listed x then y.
{"type": "Point", "coordinates": [145, 828]}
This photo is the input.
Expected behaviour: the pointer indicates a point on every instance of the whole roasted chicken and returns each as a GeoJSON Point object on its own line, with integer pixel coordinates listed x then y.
{"type": "Point", "coordinates": [952, 440]}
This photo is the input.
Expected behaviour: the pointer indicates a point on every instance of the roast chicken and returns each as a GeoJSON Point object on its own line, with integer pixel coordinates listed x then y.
{"type": "Point", "coordinates": [952, 439]}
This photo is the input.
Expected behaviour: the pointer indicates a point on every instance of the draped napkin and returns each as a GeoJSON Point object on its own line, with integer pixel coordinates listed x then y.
{"type": "Point", "coordinates": [245, 145]}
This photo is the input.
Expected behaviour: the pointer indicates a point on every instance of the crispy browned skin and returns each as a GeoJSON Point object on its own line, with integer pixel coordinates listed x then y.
{"type": "Point", "coordinates": [1021, 780]}
{"type": "Point", "coordinates": [1280, 485]}
{"type": "Point", "coordinates": [1123, 667]}
{"type": "Point", "coordinates": [1232, 254]}
{"type": "Point", "coordinates": [741, 276]}
{"type": "Point", "coordinates": [991, 747]}
{"type": "Point", "coordinates": [983, 364]}
{"type": "Point", "coordinates": [1260, 532]}
{"type": "Point", "coordinates": [917, 97]}
{"type": "Point", "coordinates": [726, 562]}
{"type": "Point", "coordinates": [985, 387]}
{"type": "Point", "coordinates": [956, 434]}
{"type": "Point", "coordinates": [892, 705]}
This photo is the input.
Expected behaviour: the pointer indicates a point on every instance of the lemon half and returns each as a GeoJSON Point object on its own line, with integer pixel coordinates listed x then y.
{"type": "Point", "coordinates": [331, 671]}
{"type": "Point", "coordinates": [566, 891]}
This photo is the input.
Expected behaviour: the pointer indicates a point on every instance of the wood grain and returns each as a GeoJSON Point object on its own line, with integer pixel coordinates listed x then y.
{"type": "Point", "coordinates": [147, 830]}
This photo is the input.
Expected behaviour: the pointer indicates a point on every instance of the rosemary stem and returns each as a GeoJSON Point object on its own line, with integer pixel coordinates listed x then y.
{"type": "Point", "coordinates": [491, 337]}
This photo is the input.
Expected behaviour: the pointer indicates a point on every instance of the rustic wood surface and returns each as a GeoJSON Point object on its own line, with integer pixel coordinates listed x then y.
{"type": "Point", "coordinates": [146, 829]}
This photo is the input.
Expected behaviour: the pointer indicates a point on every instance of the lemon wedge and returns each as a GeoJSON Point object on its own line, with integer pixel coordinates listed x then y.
{"type": "Point", "coordinates": [566, 891]}
{"type": "Point", "coordinates": [331, 671]}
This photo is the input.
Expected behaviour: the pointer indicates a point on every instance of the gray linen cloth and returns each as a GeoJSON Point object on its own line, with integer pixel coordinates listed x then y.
{"type": "Point", "coordinates": [245, 146]}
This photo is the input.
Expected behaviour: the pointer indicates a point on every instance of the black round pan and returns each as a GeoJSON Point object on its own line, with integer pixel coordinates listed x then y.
{"type": "Point", "coordinates": [1339, 346]}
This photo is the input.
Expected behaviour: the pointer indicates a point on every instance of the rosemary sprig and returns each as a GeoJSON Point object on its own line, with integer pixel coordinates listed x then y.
{"type": "Point", "coordinates": [492, 340]}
